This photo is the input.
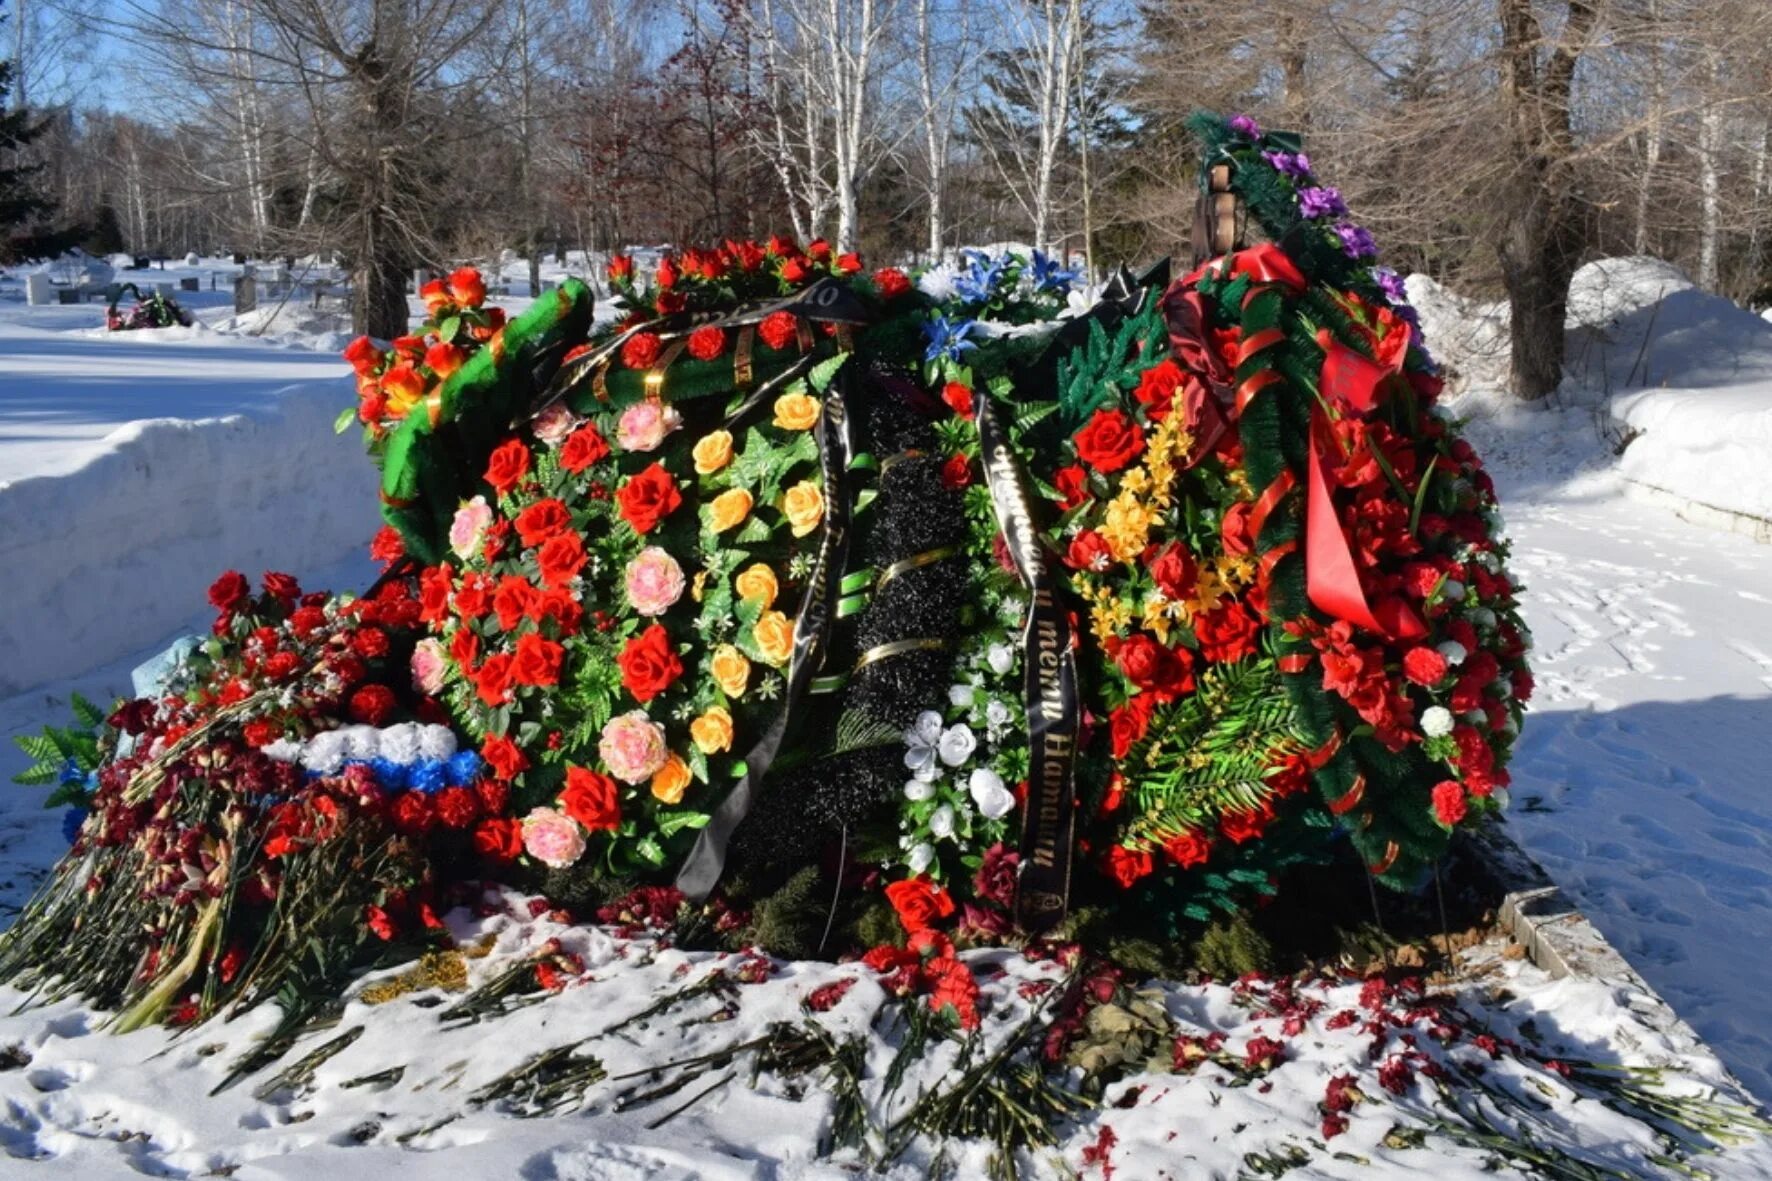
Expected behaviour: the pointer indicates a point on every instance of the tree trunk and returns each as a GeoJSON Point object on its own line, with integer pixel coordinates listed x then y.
{"type": "Point", "coordinates": [379, 278]}
{"type": "Point", "coordinates": [1536, 266]}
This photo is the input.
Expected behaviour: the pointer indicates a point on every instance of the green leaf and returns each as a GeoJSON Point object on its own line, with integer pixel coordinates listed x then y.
{"type": "Point", "coordinates": [37, 776]}
{"type": "Point", "coordinates": [345, 418]}
{"type": "Point", "coordinates": [41, 747]}
{"type": "Point", "coordinates": [672, 823]}
{"type": "Point", "coordinates": [826, 370]}
{"type": "Point", "coordinates": [89, 714]}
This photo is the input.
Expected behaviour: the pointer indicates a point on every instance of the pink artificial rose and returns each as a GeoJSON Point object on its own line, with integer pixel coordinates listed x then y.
{"type": "Point", "coordinates": [633, 747]}
{"type": "Point", "coordinates": [644, 425]}
{"type": "Point", "coordinates": [654, 581]}
{"type": "Point", "coordinates": [552, 425]}
{"type": "Point", "coordinates": [468, 529]}
{"type": "Point", "coordinates": [429, 664]}
{"type": "Point", "coordinates": [552, 837]}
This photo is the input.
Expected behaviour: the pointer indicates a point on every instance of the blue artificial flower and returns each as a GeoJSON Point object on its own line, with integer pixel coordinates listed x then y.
{"type": "Point", "coordinates": [391, 775]}
{"type": "Point", "coordinates": [72, 819]}
{"type": "Point", "coordinates": [427, 775]}
{"type": "Point", "coordinates": [1050, 274]}
{"type": "Point", "coordinates": [71, 773]}
{"type": "Point", "coordinates": [463, 768]}
{"type": "Point", "coordinates": [947, 339]}
{"type": "Point", "coordinates": [978, 282]}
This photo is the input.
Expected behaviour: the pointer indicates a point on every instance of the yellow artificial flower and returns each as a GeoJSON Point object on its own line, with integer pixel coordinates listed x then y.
{"type": "Point", "coordinates": [671, 781]}
{"type": "Point", "coordinates": [774, 637]}
{"type": "Point", "coordinates": [757, 582]}
{"type": "Point", "coordinates": [796, 412]}
{"type": "Point", "coordinates": [713, 452]}
{"type": "Point", "coordinates": [804, 507]}
{"type": "Point", "coordinates": [731, 670]}
{"type": "Point", "coordinates": [1126, 527]}
{"type": "Point", "coordinates": [699, 585]}
{"type": "Point", "coordinates": [729, 509]}
{"type": "Point", "coordinates": [712, 731]}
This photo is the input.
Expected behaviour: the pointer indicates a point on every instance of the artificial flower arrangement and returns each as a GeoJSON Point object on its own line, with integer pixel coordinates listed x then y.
{"type": "Point", "coordinates": [152, 310]}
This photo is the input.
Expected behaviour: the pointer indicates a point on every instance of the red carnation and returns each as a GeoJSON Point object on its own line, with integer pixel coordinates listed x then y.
{"type": "Point", "coordinates": [1424, 666]}
{"type": "Point", "coordinates": [1449, 806]}
{"type": "Point", "coordinates": [641, 350]}
{"type": "Point", "coordinates": [228, 592]}
{"type": "Point", "coordinates": [458, 807]}
{"type": "Point", "coordinates": [505, 758]}
{"type": "Point", "coordinates": [1126, 866]}
{"type": "Point", "coordinates": [591, 799]}
{"type": "Point", "coordinates": [508, 465]}
{"type": "Point", "coordinates": [919, 903]}
{"type": "Point", "coordinates": [541, 521]}
{"type": "Point", "coordinates": [372, 705]}
{"type": "Point", "coordinates": [369, 642]}
{"type": "Point", "coordinates": [280, 665]}
{"type": "Point", "coordinates": [499, 840]}
{"type": "Point", "coordinates": [582, 448]}
{"type": "Point", "coordinates": [536, 661]}
{"type": "Point", "coordinates": [891, 282]}
{"type": "Point", "coordinates": [1189, 848]}
{"type": "Point", "coordinates": [1110, 441]}
{"type": "Point", "coordinates": [707, 342]}
{"type": "Point", "coordinates": [779, 329]}
{"type": "Point", "coordinates": [958, 396]}
{"type": "Point", "coordinates": [649, 663]}
{"type": "Point", "coordinates": [412, 813]}
{"type": "Point", "coordinates": [648, 498]}
{"type": "Point", "coordinates": [387, 545]}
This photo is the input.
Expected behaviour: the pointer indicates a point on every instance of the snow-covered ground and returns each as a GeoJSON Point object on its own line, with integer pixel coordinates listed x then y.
{"type": "Point", "coordinates": [1639, 783]}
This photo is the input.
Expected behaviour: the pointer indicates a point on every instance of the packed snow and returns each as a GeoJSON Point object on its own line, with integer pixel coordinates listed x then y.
{"type": "Point", "coordinates": [1638, 781]}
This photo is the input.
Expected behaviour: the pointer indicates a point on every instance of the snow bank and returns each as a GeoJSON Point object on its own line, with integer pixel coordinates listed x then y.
{"type": "Point", "coordinates": [120, 550]}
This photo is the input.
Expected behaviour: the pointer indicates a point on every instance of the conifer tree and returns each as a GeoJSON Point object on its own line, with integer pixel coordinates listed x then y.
{"type": "Point", "coordinates": [20, 201]}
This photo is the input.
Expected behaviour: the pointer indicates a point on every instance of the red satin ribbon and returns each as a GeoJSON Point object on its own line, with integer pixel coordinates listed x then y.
{"type": "Point", "coordinates": [1263, 264]}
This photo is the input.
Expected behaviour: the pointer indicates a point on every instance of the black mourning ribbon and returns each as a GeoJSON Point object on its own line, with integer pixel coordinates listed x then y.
{"type": "Point", "coordinates": [1054, 712]}
{"type": "Point", "coordinates": [701, 870]}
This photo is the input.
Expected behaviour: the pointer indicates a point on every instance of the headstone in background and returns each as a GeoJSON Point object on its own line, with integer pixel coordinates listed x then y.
{"type": "Point", "coordinates": [239, 259]}
{"type": "Point", "coordinates": [67, 295]}
{"type": "Point", "coordinates": [190, 283]}
{"type": "Point", "coordinates": [142, 262]}
{"type": "Point", "coordinates": [420, 277]}
{"type": "Point", "coordinates": [37, 289]}
{"type": "Point", "coordinates": [245, 294]}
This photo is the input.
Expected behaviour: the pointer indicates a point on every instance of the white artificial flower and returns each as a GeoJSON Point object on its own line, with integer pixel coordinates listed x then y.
{"type": "Point", "coordinates": [994, 800]}
{"type": "Point", "coordinates": [1501, 798]}
{"type": "Point", "coordinates": [957, 744]}
{"type": "Point", "coordinates": [1001, 658]}
{"type": "Point", "coordinates": [1436, 721]}
{"type": "Point", "coordinates": [941, 822]}
{"type": "Point", "coordinates": [1488, 561]}
{"type": "Point", "coordinates": [436, 742]}
{"type": "Point", "coordinates": [919, 745]}
{"type": "Point", "coordinates": [918, 790]}
{"type": "Point", "coordinates": [284, 750]}
{"type": "Point", "coordinates": [361, 742]}
{"type": "Point", "coordinates": [921, 857]}
{"type": "Point", "coordinates": [1453, 651]}
{"type": "Point", "coordinates": [1452, 590]}
{"type": "Point", "coordinates": [961, 696]}
{"type": "Point", "coordinates": [324, 753]}
{"type": "Point", "coordinates": [399, 743]}
{"type": "Point", "coordinates": [938, 283]}
{"type": "Point", "coordinates": [1481, 618]}
{"type": "Point", "coordinates": [997, 714]}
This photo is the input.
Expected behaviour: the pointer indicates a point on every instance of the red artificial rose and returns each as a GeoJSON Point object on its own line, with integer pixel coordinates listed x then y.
{"type": "Point", "coordinates": [1449, 805]}
{"type": "Point", "coordinates": [591, 799]}
{"type": "Point", "coordinates": [410, 348]}
{"type": "Point", "coordinates": [464, 649]}
{"type": "Point", "coordinates": [1226, 634]}
{"type": "Point", "coordinates": [1126, 866]}
{"type": "Point", "coordinates": [1175, 572]}
{"type": "Point", "coordinates": [665, 276]}
{"type": "Point", "coordinates": [403, 382]}
{"type": "Point", "coordinates": [1246, 824]}
{"type": "Point", "coordinates": [582, 448]}
{"type": "Point", "coordinates": [1072, 484]}
{"type": "Point", "coordinates": [1234, 530]}
{"type": "Point", "coordinates": [512, 599]}
{"type": "Point", "coordinates": [434, 588]}
{"type": "Point", "coordinates": [849, 264]}
{"type": "Point", "coordinates": [363, 355]}
{"type": "Point", "coordinates": [707, 342]}
{"type": "Point", "coordinates": [560, 560]}
{"type": "Point", "coordinates": [1424, 666]}
{"type": "Point", "coordinates": [378, 921]}
{"type": "Point", "coordinates": [281, 665]}
{"type": "Point", "coordinates": [1157, 387]}
{"type": "Point", "coordinates": [649, 663]}
{"type": "Point", "coordinates": [387, 545]}
{"type": "Point", "coordinates": [281, 586]}
{"type": "Point", "coordinates": [260, 732]}
{"type": "Point", "coordinates": [1088, 551]}
{"type": "Point", "coordinates": [305, 621]}
{"type": "Point", "coordinates": [458, 807]}
{"type": "Point", "coordinates": [372, 705]}
{"type": "Point", "coordinates": [499, 840]}
{"type": "Point", "coordinates": [1110, 441]}
{"type": "Point", "coordinates": [795, 270]}
{"type": "Point", "coordinates": [891, 282]}
{"type": "Point", "coordinates": [559, 606]}
{"type": "Point", "coordinates": [958, 396]}
{"type": "Point", "coordinates": [536, 661]}
{"type": "Point", "coordinates": [492, 681]}
{"type": "Point", "coordinates": [648, 498]}
{"type": "Point", "coordinates": [474, 597]}
{"type": "Point", "coordinates": [1128, 723]}
{"type": "Point", "coordinates": [779, 329]}
{"type": "Point", "coordinates": [541, 521]}
{"type": "Point", "coordinates": [1154, 667]}
{"type": "Point", "coordinates": [640, 351]}
{"type": "Point", "coordinates": [466, 287]}
{"type": "Point", "coordinates": [1189, 848]}
{"type": "Point", "coordinates": [227, 593]}
{"type": "Point", "coordinates": [508, 465]}
{"type": "Point", "coordinates": [956, 473]}
{"type": "Point", "coordinates": [919, 903]}
{"type": "Point", "coordinates": [505, 758]}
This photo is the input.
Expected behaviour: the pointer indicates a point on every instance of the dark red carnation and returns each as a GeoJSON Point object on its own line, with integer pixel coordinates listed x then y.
{"type": "Point", "coordinates": [779, 329]}
{"type": "Point", "coordinates": [412, 813]}
{"type": "Point", "coordinates": [458, 807]}
{"type": "Point", "coordinates": [1424, 666]}
{"type": "Point", "coordinates": [641, 350]}
{"type": "Point", "coordinates": [707, 342]}
{"type": "Point", "coordinates": [372, 705]}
